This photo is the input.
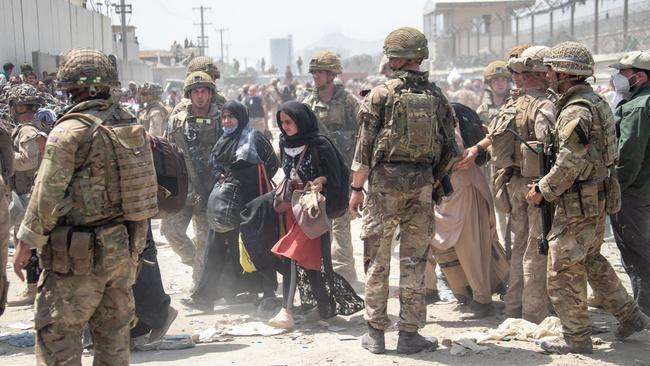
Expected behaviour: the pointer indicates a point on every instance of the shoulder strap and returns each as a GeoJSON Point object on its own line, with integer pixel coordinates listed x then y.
{"type": "Point", "coordinates": [92, 121]}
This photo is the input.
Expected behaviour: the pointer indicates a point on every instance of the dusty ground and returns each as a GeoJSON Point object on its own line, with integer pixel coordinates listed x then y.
{"type": "Point", "coordinates": [312, 344]}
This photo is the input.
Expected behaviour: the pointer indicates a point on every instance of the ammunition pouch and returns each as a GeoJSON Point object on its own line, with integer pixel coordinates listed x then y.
{"type": "Point", "coordinates": [583, 199]}
{"type": "Point", "coordinates": [79, 250]}
{"type": "Point", "coordinates": [501, 195]}
{"type": "Point", "coordinates": [612, 193]}
{"type": "Point", "coordinates": [531, 161]}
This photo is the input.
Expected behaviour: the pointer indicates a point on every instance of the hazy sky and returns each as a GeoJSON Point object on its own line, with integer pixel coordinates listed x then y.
{"type": "Point", "coordinates": [251, 23]}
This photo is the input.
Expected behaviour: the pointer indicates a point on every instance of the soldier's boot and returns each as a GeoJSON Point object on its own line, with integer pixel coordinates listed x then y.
{"type": "Point", "coordinates": [413, 342]}
{"type": "Point", "coordinates": [562, 347]}
{"type": "Point", "coordinates": [27, 297]}
{"type": "Point", "coordinates": [374, 340]}
{"type": "Point", "coordinates": [627, 328]}
{"type": "Point", "coordinates": [479, 311]}
{"type": "Point", "coordinates": [4, 288]}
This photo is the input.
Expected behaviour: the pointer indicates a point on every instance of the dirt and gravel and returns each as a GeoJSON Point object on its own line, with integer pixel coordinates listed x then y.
{"type": "Point", "coordinates": [336, 342]}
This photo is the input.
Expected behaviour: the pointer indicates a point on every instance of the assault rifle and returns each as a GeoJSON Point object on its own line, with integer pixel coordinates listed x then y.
{"type": "Point", "coordinates": [546, 152]}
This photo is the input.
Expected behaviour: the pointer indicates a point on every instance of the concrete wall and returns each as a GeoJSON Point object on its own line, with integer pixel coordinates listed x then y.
{"type": "Point", "coordinates": [51, 27]}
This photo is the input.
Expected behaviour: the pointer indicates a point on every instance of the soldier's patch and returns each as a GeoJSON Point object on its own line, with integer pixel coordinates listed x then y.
{"type": "Point", "coordinates": [568, 129]}
{"type": "Point", "coordinates": [49, 149]}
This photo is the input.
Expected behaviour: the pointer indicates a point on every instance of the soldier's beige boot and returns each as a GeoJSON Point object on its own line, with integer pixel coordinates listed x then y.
{"type": "Point", "coordinates": [27, 297]}
{"type": "Point", "coordinates": [627, 328]}
{"type": "Point", "coordinates": [562, 347]}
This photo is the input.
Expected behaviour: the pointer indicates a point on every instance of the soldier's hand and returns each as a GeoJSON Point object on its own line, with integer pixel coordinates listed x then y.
{"type": "Point", "coordinates": [356, 203]}
{"type": "Point", "coordinates": [469, 156]}
{"type": "Point", "coordinates": [532, 195]}
{"type": "Point", "coordinates": [21, 259]}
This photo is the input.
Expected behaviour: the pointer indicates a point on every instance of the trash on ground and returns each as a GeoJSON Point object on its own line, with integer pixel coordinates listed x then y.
{"type": "Point", "coordinates": [21, 326]}
{"type": "Point", "coordinates": [253, 329]}
{"type": "Point", "coordinates": [523, 330]}
{"type": "Point", "coordinates": [171, 342]}
{"type": "Point", "coordinates": [22, 339]}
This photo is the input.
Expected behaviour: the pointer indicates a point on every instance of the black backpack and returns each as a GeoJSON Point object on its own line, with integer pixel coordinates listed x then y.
{"type": "Point", "coordinates": [171, 173]}
{"type": "Point", "coordinates": [471, 129]}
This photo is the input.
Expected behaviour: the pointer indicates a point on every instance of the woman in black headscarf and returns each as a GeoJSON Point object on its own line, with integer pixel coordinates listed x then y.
{"type": "Point", "coordinates": [243, 161]}
{"type": "Point", "coordinates": [306, 263]}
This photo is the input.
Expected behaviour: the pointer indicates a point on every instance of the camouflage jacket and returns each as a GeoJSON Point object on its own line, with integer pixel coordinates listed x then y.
{"type": "Point", "coordinates": [29, 142]}
{"type": "Point", "coordinates": [153, 118]}
{"type": "Point", "coordinates": [377, 110]}
{"type": "Point", "coordinates": [488, 109]}
{"type": "Point", "coordinates": [200, 134]}
{"type": "Point", "coordinates": [217, 102]}
{"type": "Point", "coordinates": [338, 118]}
{"type": "Point", "coordinates": [576, 160]}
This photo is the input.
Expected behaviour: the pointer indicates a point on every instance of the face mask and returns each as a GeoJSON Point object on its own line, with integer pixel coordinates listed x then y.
{"type": "Point", "coordinates": [621, 83]}
{"type": "Point", "coordinates": [229, 130]}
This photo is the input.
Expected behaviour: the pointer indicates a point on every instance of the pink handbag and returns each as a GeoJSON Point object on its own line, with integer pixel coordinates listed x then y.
{"type": "Point", "coordinates": [308, 208]}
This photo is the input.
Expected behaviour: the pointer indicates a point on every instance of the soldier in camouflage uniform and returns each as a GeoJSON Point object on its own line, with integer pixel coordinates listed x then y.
{"type": "Point", "coordinates": [497, 78]}
{"type": "Point", "coordinates": [584, 188]}
{"type": "Point", "coordinates": [28, 141]}
{"type": "Point", "coordinates": [6, 171]}
{"type": "Point", "coordinates": [195, 130]}
{"type": "Point", "coordinates": [405, 148]}
{"type": "Point", "coordinates": [531, 115]}
{"type": "Point", "coordinates": [153, 116]}
{"type": "Point", "coordinates": [88, 219]}
{"type": "Point", "coordinates": [336, 110]}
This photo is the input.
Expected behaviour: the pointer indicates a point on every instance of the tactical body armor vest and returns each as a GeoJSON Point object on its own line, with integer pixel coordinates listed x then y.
{"type": "Point", "coordinates": [201, 134]}
{"type": "Point", "coordinates": [23, 180]}
{"type": "Point", "coordinates": [601, 144]}
{"type": "Point", "coordinates": [116, 176]}
{"type": "Point", "coordinates": [411, 132]}
{"type": "Point", "coordinates": [517, 115]}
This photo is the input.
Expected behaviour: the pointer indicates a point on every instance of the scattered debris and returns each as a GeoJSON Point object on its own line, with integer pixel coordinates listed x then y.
{"type": "Point", "coordinates": [21, 326]}
{"type": "Point", "coordinates": [22, 339]}
{"type": "Point", "coordinates": [345, 337]}
{"type": "Point", "coordinates": [210, 335]}
{"type": "Point", "coordinates": [172, 342]}
{"type": "Point", "coordinates": [253, 329]}
{"type": "Point", "coordinates": [523, 330]}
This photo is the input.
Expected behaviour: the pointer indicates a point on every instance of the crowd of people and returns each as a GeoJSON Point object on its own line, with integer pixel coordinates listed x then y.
{"type": "Point", "coordinates": [504, 182]}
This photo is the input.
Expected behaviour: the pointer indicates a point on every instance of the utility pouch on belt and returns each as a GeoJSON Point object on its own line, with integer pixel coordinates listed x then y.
{"type": "Point", "coordinates": [81, 252]}
{"type": "Point", "coordinates": [589, 198]}
{"type": "Point", "coordinates": [60, 260]}
{"type": "Point", "coordinates": [112, 246]}
{"type": "Point", "coordinates": [612, 193]}
{"type": "Point", "coordinates": [531, 161]}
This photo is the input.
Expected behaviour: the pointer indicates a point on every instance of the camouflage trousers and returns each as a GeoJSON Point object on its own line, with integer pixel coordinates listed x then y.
{"type": "Point", "coordinates": [5, 226]}
{"type": "Point", "coordinates": [527, 284]}
{"type": "Point", "coordinates": [342, 250]}
{"type": "Point", "coordinates": [174, 228]}
{"type": "Point", "coordinates": [574, 260]}
{"type": "Point", "coordinates": [410, 209]}
{"type": "Point", "coordinates": [66, 303]}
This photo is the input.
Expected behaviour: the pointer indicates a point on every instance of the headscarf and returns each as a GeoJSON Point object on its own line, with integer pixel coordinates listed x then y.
{"type": "Point", "coordinates": [224, 150]}
{"type": "Point", "coordinates": [305, 120]}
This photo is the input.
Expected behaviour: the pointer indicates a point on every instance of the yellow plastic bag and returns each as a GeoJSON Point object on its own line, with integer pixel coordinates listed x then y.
{"type": "Point", "coordinates": [245, 259]}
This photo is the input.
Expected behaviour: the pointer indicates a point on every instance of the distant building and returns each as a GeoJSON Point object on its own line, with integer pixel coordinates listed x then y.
{"type": "Point", "coordinates": [282, 54]}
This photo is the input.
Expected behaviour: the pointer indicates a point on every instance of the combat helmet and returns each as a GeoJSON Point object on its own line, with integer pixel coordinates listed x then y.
{"type": "Point", "coordinates": [205, 64]}
{"type": "Point", "coordinates": [517, 50]}
{"type": "Point", "coordinates": [571, 58]}
{"type": "Point", "coordinates": [530, 60]}
{"type": "Point", "coordinates": [495, 69]}
{"type": "Point", "coordinates": [198, 79]}
{"type": "Point", "coordinates": [24, 94]}
{"type": "Point", "coordinates": [153, 89]}
{"type": "Point", "coordinates": [406, 42]}
{"type": "Point", "coordinates": [86, 67]}
{"type": "Point", "coordinates": [325, 61]}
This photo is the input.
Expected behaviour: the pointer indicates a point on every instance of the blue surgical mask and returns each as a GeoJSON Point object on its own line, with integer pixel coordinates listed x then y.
{"type": "Point", "coordinates": [229, 130]}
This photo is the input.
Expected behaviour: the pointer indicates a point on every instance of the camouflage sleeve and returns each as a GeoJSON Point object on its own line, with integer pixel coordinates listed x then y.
{"type": "Point", "coordinates": [544, 119]}
{"type": "Point", "coordinates": [483, 113]}
{"type": "Point", "coordinates": [351, 112]}
{"type": "Point", "coordinates": [450, 150]}
{"type": "Point", "coordinates": [370, 117]}
{"type": "Point", "coordinates": [570, 160]}
{"type": "Point", "coordinates": [29, 142]}
{"type": "Point", "coordinates": [52, 181]}
{"type": "Point", "coordinates": [157, 122]}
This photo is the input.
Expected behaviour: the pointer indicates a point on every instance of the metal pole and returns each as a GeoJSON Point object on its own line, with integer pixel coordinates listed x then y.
{"type": "Point", "coordinates": [517, 29]}
{"type": "Point", "coordinates": [123, 21]}
{"type": "Point", "coordinates": [596, 26]}
{"type": "Point", "coordinates": [625, 20]}
{"type": "Point", "coordinates": [573, 13]}
{"type": "Point", "coordinates": [202, 44]}
{"type": "Point", "coordinates": [532, 28]}
{"type": "Point", "coordinates": [551, 25]}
